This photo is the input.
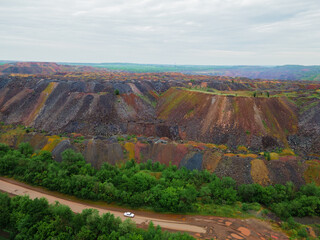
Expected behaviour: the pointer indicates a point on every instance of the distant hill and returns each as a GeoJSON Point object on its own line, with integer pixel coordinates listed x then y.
{"type": "Point", "coordinates": [286, 72]}
{"type": "Point", "coordinates": [42, 68]}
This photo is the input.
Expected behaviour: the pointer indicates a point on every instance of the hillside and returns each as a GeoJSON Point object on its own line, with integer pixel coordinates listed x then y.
{"type": "Point", "coordinates": [286, 72]}
{"type": "Point", "coordinates": [41, 68]}
{"type": "Point", "coordinates": [209, 110]}
{"type": "Point", "coordinates": [206, 122]}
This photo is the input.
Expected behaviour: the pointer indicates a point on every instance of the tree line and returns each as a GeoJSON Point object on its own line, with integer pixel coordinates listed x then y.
{"type": "Point", "coordinates": [151, 185]}
{"type": "Point", "coordinates": [23, 218]}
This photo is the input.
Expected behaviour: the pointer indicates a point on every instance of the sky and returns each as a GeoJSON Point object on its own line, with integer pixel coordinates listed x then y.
{"type": "Point", "coordinates": [200, 32]}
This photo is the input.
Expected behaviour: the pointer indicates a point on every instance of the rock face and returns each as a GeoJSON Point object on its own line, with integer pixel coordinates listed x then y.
{"type": "Point", "coordinates": [307, 139]}
{"type": "Point", "coordinates": [244, 168]}
{"type": "Point", "coordinates": [89, 108]}
{"type": "Point", "coordinates": [192, 121]}
{"type": "Point", "coordinates": [255, 122]}
{"type": "Point", "coordinates": [163, 108]}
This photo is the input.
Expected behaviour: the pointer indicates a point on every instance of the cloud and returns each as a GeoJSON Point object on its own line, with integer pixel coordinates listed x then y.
{"type": "Point", "coordinates": [167, 31]}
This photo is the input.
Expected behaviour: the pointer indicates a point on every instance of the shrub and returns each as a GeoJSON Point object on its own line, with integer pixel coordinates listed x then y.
{"type": "Point", "coordinates": [274, 156]}
{"type": "Point", "coordinates": [222, 147]}
{"type": "Point", "coordinates": [265, 212]}
{"type": "Point", "coordinates": [287, 152]}
{"type": "Point", "coordinates": [267, 156]}
{"type": "Point", "coordinates": [302, 233]}
{"type": "Point", "coordinates": [245, 207]}
{"type": "Point", "coordinates": [242, 149]}
{"type": "Point", "coordinates": [25, 149]}
{"type": "Point", "coordinates": [4, 148]}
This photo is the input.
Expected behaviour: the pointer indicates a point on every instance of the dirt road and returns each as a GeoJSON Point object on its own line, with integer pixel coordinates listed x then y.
{"type": "Point", "coordinates": [199, 226]}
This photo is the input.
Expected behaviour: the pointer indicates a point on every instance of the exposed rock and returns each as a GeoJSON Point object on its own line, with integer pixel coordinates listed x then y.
{"type": "Point", "coordinates": [60, 148]}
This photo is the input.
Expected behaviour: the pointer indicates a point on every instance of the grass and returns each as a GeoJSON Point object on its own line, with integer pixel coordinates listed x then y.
{"type": "Point", "coordinates": [237, 210]}
{"type": "Point", "coordinates": [9, 135]}
{"type": "Point", "coordinates": [309, 106]}
{"type": "Point", "coordinates": [147, 100]}
{"type": "Point", "coordinates": [174, 98]}
{"type": "Point", "coordinates": [296, 97]}
{"type": "Point", "coordinates": [144, 68]}
{"type": "Point", "coordinates": [79, 139]}
{"type": "Point", "coordinates": [229, 93]}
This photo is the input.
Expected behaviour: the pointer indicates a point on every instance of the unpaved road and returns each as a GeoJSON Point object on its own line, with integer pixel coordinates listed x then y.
{"type": "Point", "coordinates": [201, 227]}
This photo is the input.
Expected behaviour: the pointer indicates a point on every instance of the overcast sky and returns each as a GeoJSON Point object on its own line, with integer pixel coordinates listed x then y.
{"type": "Point", "coordinates": [215, 32]}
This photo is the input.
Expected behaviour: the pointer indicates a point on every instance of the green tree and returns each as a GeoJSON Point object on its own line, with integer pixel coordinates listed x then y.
{"type": "Point", "coordinates": [72, 161]}
{"type": "Point", "coordinates": [26, 149]}
{"type": "Point", "coordinates": [169, 199]}
{"type": "Point", "coordinates": [4, 210]}
{"type": "Point", "coordinates": [4, 148]}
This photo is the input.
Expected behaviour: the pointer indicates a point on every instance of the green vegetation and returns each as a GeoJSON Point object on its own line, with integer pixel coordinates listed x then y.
{"type": "Point", "coordinates": [136, 185]}
{"type": "Point", "coordinates": [2, 238]}
{"type": "Point", "coordinates": [308, 106]}
{"type": "Point", "coordinates": [143, 68]}
{"type": "Point", "coordinates": [239, 93]}
{"type": "Point", "coordinates": [147, 100]}
{"type": "Point", "coordinates": [120, 139]}
{"type": "Point", "coordinates": [116, 92]}
{"type": "Point", "coordinates": [294, 229]}
{"type": "Point", "coordinates": [290, 72]}
{"type": "Point", "coordinates": [24, 218]}
{"type": "Point", "coordinates": [267, 156]}
{"type": "Point", "coordinates": [264, 123]}
{"type": "Point", "coordinates": [79, 139]}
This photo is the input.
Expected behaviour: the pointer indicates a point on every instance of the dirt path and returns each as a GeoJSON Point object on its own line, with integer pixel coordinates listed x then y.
{"type": "Point", "coordinates": [198, 226]}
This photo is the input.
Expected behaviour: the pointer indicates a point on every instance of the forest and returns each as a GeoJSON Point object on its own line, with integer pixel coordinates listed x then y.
{"type": "Point", "coordinates": [23, 218]}
{"type": "Point", "coordinates": [151, 185]}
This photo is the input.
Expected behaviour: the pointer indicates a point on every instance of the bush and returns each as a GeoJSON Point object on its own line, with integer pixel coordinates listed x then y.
{"type": "Point", "coordinates": [24, 218]}
{"type": "Point", "coordinates": [265, 212]}
{"type": "Point", "coordinates": [4, 148]}
{"type": "Point", "coordinates": [242, 148]}
{"type": "Point", "coordinates": [245, 207]}
{"type": "Point", "coordinates": [25, 149]}
{"type": "Point", "coordinates": [302, 233]}
{"type": "Point", "coordinates": [267, 156]}
{"type": "Point", "coordinates": [152, 185]}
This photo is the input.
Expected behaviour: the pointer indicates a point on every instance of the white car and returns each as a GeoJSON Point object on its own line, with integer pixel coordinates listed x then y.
{"type": "Point", "coordinates": [129, 214]}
